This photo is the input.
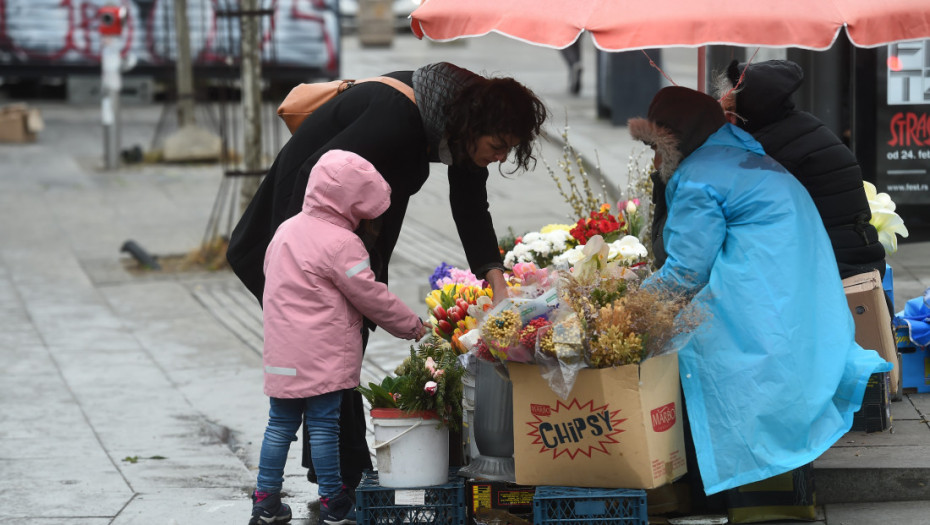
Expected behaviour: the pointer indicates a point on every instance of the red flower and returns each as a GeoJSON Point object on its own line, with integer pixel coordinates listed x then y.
{"type": "Point", "coordinates": [529, 332]}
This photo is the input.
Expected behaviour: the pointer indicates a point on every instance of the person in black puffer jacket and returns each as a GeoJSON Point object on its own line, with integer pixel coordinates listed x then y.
{"type": "Point", "coordinates": [762, 105]}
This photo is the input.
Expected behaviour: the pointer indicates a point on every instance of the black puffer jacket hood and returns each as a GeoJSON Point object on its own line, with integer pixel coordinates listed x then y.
{"type": "Point", "coordinates": [764, 95]}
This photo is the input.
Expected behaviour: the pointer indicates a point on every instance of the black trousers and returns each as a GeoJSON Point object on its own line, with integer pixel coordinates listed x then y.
{"type": "Point", "coordinates": [354, 457]}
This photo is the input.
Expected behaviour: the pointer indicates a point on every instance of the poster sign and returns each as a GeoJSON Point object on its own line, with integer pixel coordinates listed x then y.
{"type": "Point", "coordinates": [903, 122]}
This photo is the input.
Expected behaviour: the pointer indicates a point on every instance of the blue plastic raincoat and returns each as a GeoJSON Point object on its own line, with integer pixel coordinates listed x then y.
{"type": "Point", "coordinates": [916, 317]}
{"type": "Point", "coordinates": [773, 375]}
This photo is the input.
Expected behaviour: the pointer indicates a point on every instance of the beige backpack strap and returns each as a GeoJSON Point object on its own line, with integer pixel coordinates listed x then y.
{"type": "Point", "coordinates": [394, 83]}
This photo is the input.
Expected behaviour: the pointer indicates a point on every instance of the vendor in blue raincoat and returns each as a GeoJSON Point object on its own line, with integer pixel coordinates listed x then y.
{"type": "Point", "coordinates": [773, 375]}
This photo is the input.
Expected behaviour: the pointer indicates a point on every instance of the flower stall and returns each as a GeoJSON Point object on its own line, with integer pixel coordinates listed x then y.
{"type": "Point", "coordinates": [586, 351]}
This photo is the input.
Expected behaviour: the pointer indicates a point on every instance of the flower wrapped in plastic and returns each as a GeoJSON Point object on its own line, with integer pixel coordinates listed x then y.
{"type": "Point", "coordinates": [453, 311]}
{"type": "Point", "coordinates": [509, 331]}
{"type": "Point", "coordinates": [605, 319]}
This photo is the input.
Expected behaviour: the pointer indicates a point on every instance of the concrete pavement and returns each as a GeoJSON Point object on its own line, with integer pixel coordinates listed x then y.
{"type": "Point", "coordinates": [135, 398]}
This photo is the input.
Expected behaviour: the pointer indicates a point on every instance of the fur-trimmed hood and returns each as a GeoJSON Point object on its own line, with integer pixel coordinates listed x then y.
{"type": "Point", "coordinates": [678, 122]}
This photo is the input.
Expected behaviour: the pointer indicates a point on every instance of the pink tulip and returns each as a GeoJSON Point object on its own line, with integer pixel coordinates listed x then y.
{"type": "Point", "coordinates": [430, 387]}
{"type": "Point", "coordinates": [431, 366]}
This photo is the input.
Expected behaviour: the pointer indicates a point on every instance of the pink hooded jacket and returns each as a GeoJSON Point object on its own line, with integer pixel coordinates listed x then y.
{"type": "Point", "coordinates": [318, 283]}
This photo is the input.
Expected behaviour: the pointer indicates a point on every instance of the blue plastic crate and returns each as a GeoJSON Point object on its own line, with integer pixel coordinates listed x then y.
{"type": "Point", "coordinates": [377, 505]}
{"type": "Point", "coordinates": [586, 506]}
{"type": "Point", "coordinates": [915, 370]}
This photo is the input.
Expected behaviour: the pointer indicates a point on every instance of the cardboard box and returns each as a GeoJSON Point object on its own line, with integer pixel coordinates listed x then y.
{"type": "Point", "coordinates": [19, 123]}
{"type": "Point", "coordinates": [866, 299]}
{"type": "Point", "coordinates": [499, 495]}
{"type": "Point", "coordinates": [619, 428]}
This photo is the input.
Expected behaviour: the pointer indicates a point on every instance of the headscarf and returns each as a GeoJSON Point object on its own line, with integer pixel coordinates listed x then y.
{"type": "Point", "coordinates": [679, 120]}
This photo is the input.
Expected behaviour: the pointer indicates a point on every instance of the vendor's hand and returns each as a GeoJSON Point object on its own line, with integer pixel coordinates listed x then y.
{"type": "Point", "coordinates": [498, 285]}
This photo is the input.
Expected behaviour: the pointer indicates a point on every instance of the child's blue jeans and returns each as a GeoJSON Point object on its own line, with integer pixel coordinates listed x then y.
{"type": "Point", "coordinates": [284, 418]}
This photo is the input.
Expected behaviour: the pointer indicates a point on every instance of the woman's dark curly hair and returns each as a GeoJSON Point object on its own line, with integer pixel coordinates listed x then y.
{"type": "Point", "coordinates": [498, 107]}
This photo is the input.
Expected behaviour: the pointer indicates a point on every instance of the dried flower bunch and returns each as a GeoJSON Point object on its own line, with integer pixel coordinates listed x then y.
{"type": "Point", "coordinates": [621, 322]}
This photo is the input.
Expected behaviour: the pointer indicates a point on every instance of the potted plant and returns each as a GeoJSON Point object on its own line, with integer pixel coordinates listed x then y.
{"type": "Point", "coordinates": [412, 413]}
{"type": "Point", "coordinates": [428, 383]}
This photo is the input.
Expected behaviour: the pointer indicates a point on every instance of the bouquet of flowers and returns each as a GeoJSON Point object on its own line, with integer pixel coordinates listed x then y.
{"type": "Point", "coordinates": [447, 274]}
{"type": "Point", "coordinates": [594, 316]}
{"type": "Point", "coordinates": [621, 322]}
{"type": "Point", "coordinates": [600, 222]}
{"type": "Point", "coordinates": [627, 250]}
{"type": "Point", "coordinates": [540, 247]}
{"type": "Point", "coordinates": [430, 379]}
{"type": "Point", "coordinates": [453, 309]}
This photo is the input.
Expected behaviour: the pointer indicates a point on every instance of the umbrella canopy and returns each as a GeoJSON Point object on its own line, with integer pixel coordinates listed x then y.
{"type": "Point", "coordinates": [624, 25]}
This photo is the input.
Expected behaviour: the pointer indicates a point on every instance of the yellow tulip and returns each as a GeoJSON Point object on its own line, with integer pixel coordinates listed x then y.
{"type": "Point", "coordinates": [431, 301]}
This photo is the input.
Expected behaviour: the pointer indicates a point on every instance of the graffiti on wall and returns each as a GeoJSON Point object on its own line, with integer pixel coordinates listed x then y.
{"type": "Point", "coordinates": [301, 34]}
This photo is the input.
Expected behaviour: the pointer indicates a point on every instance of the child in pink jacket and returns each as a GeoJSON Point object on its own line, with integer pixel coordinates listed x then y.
{"type": "Point", "coordinates": [318, 287]}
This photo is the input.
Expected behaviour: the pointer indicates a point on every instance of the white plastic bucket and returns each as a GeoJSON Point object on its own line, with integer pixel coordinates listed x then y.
{"type": "Point", "coordinates": [411, 450]}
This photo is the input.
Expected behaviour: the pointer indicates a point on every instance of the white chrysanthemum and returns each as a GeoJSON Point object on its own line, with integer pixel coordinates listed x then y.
{"type": "Point", "coordinates": [570, 257]}
{"type": "Point", "coordinates": [559, 240]}
{"type": "Point", "coordinates": [541, 246]}
{"type": "Point", "coordinates": [538, 248]}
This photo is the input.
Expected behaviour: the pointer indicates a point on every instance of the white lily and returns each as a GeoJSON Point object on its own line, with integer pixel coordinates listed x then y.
{"type": "Point", "coordinates": [628, 248]}
{"type": "Point", "coordinates": [888, 223]}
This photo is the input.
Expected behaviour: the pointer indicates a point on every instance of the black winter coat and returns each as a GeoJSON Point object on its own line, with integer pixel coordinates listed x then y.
{"type": "Point", "coordinates": [831, 174]}
{"type": "Point", "coordinates": [816, 157]}
{"type": "Point", "coordinates": [382, 125]}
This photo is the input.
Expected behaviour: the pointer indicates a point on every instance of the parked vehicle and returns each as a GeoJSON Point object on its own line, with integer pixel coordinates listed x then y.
{"type": "Point", "coordinates": [401, 9]}
{"type": "Point", "coordinates": [57, 38]}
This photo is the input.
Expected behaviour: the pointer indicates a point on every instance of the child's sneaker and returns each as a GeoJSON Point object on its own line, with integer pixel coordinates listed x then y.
{"type": "Point", "coordinates": [338, 510]}
{"type": "Point", "coordinates": [267, 508]}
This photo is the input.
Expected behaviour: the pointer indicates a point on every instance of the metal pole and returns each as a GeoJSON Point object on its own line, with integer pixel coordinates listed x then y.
{"type": "Point", "coordinates": [111, 84]}
{"type": "Point", "coordinates": [251, 97]}
{"type": "Point", "coordinates": [183, 68]}
{"type": "Point", "coordinates": [702, 69]}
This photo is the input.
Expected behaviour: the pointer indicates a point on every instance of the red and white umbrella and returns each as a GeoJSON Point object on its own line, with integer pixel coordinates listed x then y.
{"type": "Point", "coordinates": [617, 25]}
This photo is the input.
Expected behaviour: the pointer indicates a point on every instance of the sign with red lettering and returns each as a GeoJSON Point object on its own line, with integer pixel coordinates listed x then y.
{"type": "Point", "coordinates": [663, 418]}
{"type": "Point", "coordinates": [574, 428]}
{"type": "Point", "coordinates": [902, 134]}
